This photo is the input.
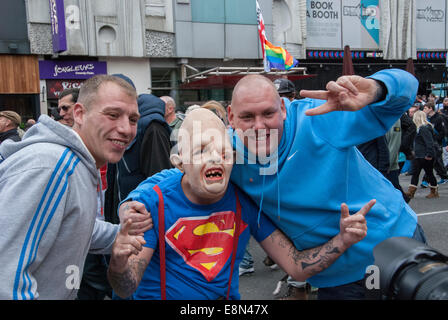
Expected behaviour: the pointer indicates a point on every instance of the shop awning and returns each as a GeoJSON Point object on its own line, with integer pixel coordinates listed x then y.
{"type": "Point", "coordinates": [227, 77]}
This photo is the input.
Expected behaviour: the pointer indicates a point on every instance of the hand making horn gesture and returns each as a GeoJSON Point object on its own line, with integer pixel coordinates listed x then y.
{"type": "Point", "coordinates": [353, 228]}
{"type": "Point", "coordinates": [348, 93]}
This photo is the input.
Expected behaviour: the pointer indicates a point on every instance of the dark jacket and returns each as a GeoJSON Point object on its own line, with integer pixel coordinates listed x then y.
{"type": "Point", "coordinates": [440, 130]}
{"type": "Point", "coordinates": [424, 142]}
{"type": "Point", "coordinates": [10, 134]}
{"type": "Point", "coordinates": [376, 153]}
{"type": "Point", "coordinates": [408, 132]}
{"type": "Point", "coordinates": [148, 154]}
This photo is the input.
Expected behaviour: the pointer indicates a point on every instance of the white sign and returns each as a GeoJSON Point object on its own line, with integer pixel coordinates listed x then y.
{"type": "Point", "coordinates": [334, 24]}
{"type": "Point", "coordinates": [431, 24]}
{"type": "Point", "coordinates": [323, 24]}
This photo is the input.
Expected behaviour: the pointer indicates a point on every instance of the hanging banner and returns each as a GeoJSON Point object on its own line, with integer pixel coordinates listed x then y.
{"type": "Point", "coordinates": [430, 24]}
{"type": "Point", "coordinates": [323, 24]}
{"type": "Point", "coordinates": [334, 24]}
{"type": "Point", "coordinates": [361, 24]}
{"type": "Point", "coordinates": [57, 17]}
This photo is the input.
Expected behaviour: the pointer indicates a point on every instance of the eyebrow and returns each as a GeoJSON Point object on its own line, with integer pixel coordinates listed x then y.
{"type": "Point", "coordinates": [120, 110]}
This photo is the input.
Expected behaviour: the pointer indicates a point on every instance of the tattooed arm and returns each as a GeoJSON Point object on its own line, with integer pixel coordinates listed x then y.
{"type": "Point", "coordinates": [128, 262]}
{"type": "Point", "coordinates": [304, 264]}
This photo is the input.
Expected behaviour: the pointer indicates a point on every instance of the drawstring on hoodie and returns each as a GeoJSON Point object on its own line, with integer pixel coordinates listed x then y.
{"type": "Point", "coordinates": [278, 195]}
{"type": "Point", "coordinates": [261, 202]}
{"type": "Point", "coordinates": [262, 197]}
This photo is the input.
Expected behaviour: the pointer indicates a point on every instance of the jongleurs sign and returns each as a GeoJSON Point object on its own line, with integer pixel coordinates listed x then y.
{"type": "Point", "coordinates": [49, 69]}
{"type": "Point", "coordinates": [58, 25]}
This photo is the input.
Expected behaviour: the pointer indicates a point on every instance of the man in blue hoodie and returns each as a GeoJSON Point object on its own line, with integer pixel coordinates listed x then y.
{"type": "Point", "coordinates": [299, 163]}
{"type": "Point", "coordinates": [307, 164]}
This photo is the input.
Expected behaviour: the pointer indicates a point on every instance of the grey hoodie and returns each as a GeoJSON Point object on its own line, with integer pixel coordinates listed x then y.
{"type": "Point", "coordinates": [48, 204]}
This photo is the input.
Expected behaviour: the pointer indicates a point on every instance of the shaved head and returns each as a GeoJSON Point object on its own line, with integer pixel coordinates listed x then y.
{"type": "Point", "coordinates": [252, 85]}
{"type": "Point", "coordinates": [257, 113]}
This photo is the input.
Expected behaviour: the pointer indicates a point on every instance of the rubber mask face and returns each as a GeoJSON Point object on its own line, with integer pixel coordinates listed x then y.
{"type": "Point", "coordinates": [206, 156]}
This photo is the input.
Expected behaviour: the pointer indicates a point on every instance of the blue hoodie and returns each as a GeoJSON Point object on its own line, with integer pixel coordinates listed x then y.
{"type": "Point", "coordinates": [319, 168]}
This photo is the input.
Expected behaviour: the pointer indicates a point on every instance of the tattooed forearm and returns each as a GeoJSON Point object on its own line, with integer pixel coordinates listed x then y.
{"type": "Point", "coordinates": [306, 263]}
{"type": "Point", "coordinates": [125, 283]}
{"type": "Point", "coordinates": [322, 258]}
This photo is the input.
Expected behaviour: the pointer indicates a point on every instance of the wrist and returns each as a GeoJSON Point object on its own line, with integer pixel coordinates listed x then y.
{"type": "Point", "coordinates": [339, 243]}
{"type": "Point", "coordinates": [380, 91]}
{"type": "Point", "coordinates": [117, 267]}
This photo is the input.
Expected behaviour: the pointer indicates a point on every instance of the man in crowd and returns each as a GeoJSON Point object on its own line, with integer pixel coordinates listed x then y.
{"type": "Point", "coordinates": [48, 186]}
{"type": "Point", "coordinates": [171, 117]}
{"type": "Point", "coordinates": [66, 102]}
{"type": "Point", "coordinates": [440, 130]}
{"type": "Point", "coordinates": [9, 122]}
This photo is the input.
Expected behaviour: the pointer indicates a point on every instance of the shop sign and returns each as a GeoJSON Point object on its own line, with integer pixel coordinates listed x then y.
{"type": "Point", "coordinates": [49, 69]}
{"type": "Point", "coordinates": [57, 16]}
{"type": "Point", "coordinates": [55, 87]}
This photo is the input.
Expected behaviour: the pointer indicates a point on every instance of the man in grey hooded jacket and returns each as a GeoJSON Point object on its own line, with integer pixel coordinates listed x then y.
{"type": "Point", "coordinates": [49, 186]}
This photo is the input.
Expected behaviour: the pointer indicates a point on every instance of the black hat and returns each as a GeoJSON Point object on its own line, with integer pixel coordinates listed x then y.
{"type": "Point", "coordinates": [284, 85]}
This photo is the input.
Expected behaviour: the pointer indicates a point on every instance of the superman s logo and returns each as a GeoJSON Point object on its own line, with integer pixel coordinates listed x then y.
{"type": "Point", "coordinates": [205, 243]}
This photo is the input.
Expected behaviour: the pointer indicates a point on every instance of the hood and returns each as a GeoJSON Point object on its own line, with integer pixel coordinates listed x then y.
{"type": "Point", "coordinates": [46, 130]}
{"type": "Point", "coordinates": [150, 107]}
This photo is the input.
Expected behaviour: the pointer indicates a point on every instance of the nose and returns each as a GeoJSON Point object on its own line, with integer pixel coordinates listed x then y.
{"type": "Point", "coordinates": [259, 123]}
{"type": "Point", "coordinates": [125, 128]}
{"type": "Point", "coordinates": [215, 156]}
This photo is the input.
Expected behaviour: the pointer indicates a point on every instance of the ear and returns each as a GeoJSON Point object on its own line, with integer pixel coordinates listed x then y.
{"type": "Point", "coordinates": [230, 115]}
{"type": "Point", "coordinates": [283, 109]}
{"type": "Point", "coordinates": [176, 160]}
{"type": "Point", "coordinates": [79, 112]}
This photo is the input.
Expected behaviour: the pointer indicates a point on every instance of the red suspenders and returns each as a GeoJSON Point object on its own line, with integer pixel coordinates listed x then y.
{"type": "Point", "coordinates": [161, 210]}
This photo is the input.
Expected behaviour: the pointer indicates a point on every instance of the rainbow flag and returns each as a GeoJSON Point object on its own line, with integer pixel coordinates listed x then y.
{"type": "Point", "coordinates": [273, 57]}
{"type": "Point", "coordinates": [278, 57]}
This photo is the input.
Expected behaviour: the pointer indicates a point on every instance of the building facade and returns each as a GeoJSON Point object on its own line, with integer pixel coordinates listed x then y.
{"type": "Point", "coordinates": [57, 44]}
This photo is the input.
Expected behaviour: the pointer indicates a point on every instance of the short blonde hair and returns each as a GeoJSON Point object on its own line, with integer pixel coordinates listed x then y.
{"type": "Point", "coordinates": [89, 88]}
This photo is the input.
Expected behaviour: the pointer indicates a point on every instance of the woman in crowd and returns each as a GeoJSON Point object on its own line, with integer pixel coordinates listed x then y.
{"type": "Point", "coordinates": [424, 155]}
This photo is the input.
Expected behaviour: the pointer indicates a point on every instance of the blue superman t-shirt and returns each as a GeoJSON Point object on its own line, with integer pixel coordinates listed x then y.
{"type": "Point", "coordinates": [199, 242]}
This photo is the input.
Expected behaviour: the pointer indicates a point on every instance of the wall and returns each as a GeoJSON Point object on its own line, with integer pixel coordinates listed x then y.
{"type": "Point", "coordinates": [138, 70]}
{"type": "Point", "coordinates": [220, 29]}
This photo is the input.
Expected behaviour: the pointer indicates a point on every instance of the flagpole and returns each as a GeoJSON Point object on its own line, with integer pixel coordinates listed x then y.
{"type": "Point", "coordinates": [262, 36]}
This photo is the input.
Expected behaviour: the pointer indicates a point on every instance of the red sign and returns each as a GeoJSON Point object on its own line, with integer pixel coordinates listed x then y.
{"type": "Point", "coordinates": [55, 87]}
{"type": "Point", "coordinates": [205, 243]}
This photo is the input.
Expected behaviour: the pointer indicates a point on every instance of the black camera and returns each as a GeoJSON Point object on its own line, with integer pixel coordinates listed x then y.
{"type": "Point", "coordinates": [410, 270]}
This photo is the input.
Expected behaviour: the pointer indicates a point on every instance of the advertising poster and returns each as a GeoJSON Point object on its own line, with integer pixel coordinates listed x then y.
{"type": "Point", "coordinates": [324, 24]}
{"type": "Point", "coordinates": [431, 24]}
{"type": "Point", "coordinates": [361, 24]}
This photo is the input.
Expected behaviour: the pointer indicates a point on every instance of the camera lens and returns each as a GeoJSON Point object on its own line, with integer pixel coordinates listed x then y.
{"type": "Point", "coordinates": [410, 270]}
